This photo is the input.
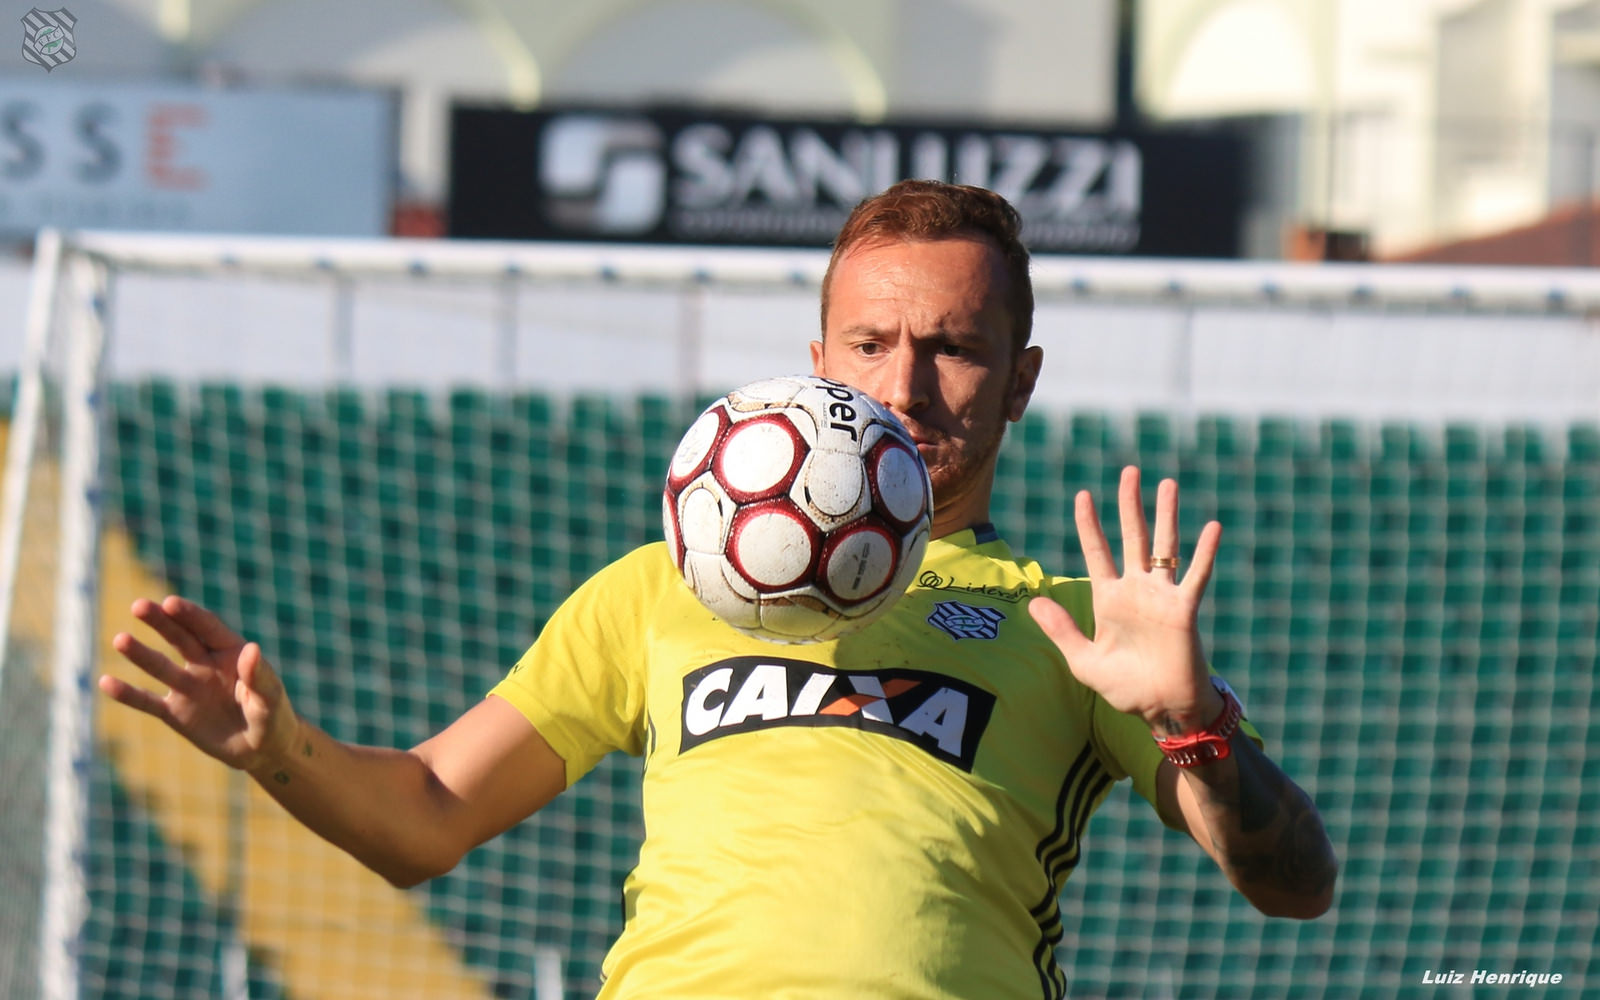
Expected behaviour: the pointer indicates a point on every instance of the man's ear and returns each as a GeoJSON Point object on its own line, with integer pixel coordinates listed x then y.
{"type": "Point", "coordinates": [1023, 381]}
{"type": "Point", "coordinates": [817, 367]}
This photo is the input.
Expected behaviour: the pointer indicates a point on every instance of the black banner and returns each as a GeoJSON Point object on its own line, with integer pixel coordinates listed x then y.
{"type": "Point", "coordinates": [687, 177]}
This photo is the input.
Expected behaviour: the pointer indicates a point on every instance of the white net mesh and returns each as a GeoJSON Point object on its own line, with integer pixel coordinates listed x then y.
{"type": "Point", "coordinates": [24, 687]}
{"type": "Point", "coordinates": [388, 463]}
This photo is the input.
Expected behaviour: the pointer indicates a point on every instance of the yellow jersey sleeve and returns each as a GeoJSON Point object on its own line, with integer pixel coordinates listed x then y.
{"type": "Point", "coordinates": [582, 682]}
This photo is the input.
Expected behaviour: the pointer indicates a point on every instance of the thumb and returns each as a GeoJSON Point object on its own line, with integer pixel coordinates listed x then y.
{"type": "Point", "coordinates": [257, 680]}
{"type": "Point", "coordinates": [265, 703]}
{"type": "Point", "coordinates": [1060, 626]}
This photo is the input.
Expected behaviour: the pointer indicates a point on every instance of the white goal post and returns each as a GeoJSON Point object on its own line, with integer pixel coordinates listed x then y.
{"type": "Point", "coordinates": [129, 316]}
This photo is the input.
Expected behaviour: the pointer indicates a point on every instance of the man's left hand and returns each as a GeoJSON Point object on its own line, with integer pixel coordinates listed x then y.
{"type": "Point", "coordinates": [1145, 658]}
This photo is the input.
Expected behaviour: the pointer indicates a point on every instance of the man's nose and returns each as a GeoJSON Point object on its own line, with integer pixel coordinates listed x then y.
{"type": "Point", "coordinates": [904, 385]}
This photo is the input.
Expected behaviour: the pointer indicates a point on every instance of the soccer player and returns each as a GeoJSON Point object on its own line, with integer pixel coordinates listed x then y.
{"type": "Point", "coordinates": [891, 814]}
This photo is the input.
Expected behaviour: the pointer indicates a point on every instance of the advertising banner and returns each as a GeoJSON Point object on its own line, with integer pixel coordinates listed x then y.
{"type": "Point", "coordinates": [174, 157]}
{"type": "Point", "coordinates": [713, 178]}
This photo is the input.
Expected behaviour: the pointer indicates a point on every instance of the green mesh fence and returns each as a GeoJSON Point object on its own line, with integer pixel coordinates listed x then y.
{"type": "Point", "coordinates": [1411, 615]}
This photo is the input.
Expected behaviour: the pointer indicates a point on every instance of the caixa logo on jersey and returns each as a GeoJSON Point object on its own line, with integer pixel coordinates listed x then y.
{"type": "Point", "coordinates": [942, 715]}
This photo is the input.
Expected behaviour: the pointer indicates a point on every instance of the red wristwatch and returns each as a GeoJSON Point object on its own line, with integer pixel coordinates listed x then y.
{"type": "Point", "coordinates": [1210, 743]}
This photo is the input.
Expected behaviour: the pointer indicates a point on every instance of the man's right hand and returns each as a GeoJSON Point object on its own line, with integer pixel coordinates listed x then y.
{"type": "Point", "coordinates": [224, 697]}
{"type": "Point", "coordinates": [409, 815]}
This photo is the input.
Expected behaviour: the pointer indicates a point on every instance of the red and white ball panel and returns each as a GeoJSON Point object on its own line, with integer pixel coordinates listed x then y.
{"type": "Point", "coordinates": [835, 483]}
{"type": "Point", "coordinates": [773, 546]}
{"type": "Point", "coordinates": [858, 562]}
{"type": "Point", "coordinates": [790, 620]}
{"type": "Point", "coordinates": [765, 393]}
{"type": "Point", "coordinates": [700, 520]}
{"type": "Point", "coordinates": [899, 482]}
{"type": "Point", "coordinates": [669, 528]}
{"type": "Point", "coordinates": [759, 457]}
{"type": "Point", "coordinates": [707, 576]}
{"type": "Point", "coordinates": [697, 447]}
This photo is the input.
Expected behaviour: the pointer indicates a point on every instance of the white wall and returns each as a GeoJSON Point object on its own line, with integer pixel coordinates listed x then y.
{"type": "Point", "coordinates": [1425, 120]}
{"type": "Point", "coordinates": [1383, 148]}
{"type": "Point", "coordinates": [1364, 342]}
{"type": "Point", "coordinates": [1003, 60]}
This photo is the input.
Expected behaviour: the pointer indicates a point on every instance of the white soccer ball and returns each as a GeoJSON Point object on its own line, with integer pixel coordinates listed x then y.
{"type": "Point", "coordinates": [797, 508]}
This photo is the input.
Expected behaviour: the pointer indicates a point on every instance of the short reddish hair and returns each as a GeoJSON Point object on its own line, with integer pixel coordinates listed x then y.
{"type": "Point", "coordinates": [915, 211]}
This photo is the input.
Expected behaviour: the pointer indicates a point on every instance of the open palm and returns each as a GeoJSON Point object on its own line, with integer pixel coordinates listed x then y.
{"type": "Point", "coordinates": [224, 697]}
{"type": "Point", "coordinates": [1145, 658]}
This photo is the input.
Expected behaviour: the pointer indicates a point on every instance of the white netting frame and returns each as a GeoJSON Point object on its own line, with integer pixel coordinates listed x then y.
{"type": "Point", "coordinates": [1431, 343]}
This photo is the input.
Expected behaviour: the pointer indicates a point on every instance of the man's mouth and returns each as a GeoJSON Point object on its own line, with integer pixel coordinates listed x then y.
{"type": "Point", "coordinates": [919, 436]}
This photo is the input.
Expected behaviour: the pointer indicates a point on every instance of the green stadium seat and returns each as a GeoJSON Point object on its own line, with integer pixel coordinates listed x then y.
{"type": "Point", "coordinates": [1525, 444]}
{"type": "Point", "coordinates": [662, 423]}
{"type": "Point", "coordinates": [1342, 441]}
{"type": "Point", "coordinates": [1218, 435]}
{"type": "Point", "coordinates": [1156, 443]}
{"type": "Point", "coordinates": [1032, 434]}
{"type": "Point", "coordinates": [1094, 454]}
{"type": "Point", "coordinates": [1583, 444]}
{"type": "Point", "coordinates": [1277, 437]}
{"type": "Point", "coordinates": [1463, 444]}
{"type": "Point", "coordinates": [1273, 476]}
{"type": "Point", "coordinates": [1096, 432]}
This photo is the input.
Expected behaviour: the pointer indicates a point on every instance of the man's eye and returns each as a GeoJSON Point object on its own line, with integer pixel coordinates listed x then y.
{"type": "Point", "coordinates": [952, 350]}
{"type": "Point", "coordinates": [867, 349]}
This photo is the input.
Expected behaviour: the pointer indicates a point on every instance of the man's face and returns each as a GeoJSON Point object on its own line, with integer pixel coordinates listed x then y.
{"type": "Point", "coordinates": [924, 328]}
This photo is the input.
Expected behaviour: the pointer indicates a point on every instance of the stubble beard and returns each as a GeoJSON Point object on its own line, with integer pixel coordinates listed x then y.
{"type": "Point", "coordinates": [955, 477]}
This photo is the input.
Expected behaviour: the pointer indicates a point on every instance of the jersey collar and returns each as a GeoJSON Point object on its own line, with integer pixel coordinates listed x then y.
{"type": "Point", "coordinates": [982, 534]}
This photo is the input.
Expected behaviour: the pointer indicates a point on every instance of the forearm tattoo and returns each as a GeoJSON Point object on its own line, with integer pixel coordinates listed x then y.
{"type": "Point", "coordinates": [282, 777]}
{"type": "Point", "coordinates": [1278, 839]}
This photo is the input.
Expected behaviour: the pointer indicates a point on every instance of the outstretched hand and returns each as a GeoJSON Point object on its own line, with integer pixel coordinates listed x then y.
{"type": "Point", "coordinates": [224, 697]}
{"type": "Point", "coordinates": [1145, 658]}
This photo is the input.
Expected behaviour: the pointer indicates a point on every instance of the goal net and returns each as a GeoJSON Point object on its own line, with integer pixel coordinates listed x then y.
{"type": "Point", "coordinates": [389, 461]}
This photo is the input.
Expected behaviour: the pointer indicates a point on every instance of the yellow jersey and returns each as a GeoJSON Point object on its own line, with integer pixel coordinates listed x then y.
{"type": "Point", "coordinates": [891, 814]}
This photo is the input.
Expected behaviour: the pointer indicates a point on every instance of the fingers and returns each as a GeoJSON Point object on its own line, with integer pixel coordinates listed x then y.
{"type": "Point", "coordinates": [177, 635]}
{"type": "Point", "coordinates": [1165, 546]}
{"type": "Point", "coordinates": [249, 663]}
{"type": "Point", "coordinates": [1203, 561]}
{"type": "Point", "coordinates": [155, 664]}
{"type": "Point", "coordinates": [1139, 551]}
{"type": "Point", "coordinates": [1092, 538]}
{"type": "Point", "coordinates": [206, 628]}
{"type": "Point", "coordinates": [135, 698]}
{"type": "Point", "coordinates": [1135, 532]}
{"type": "Point", "coordinates": [257, 675]}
